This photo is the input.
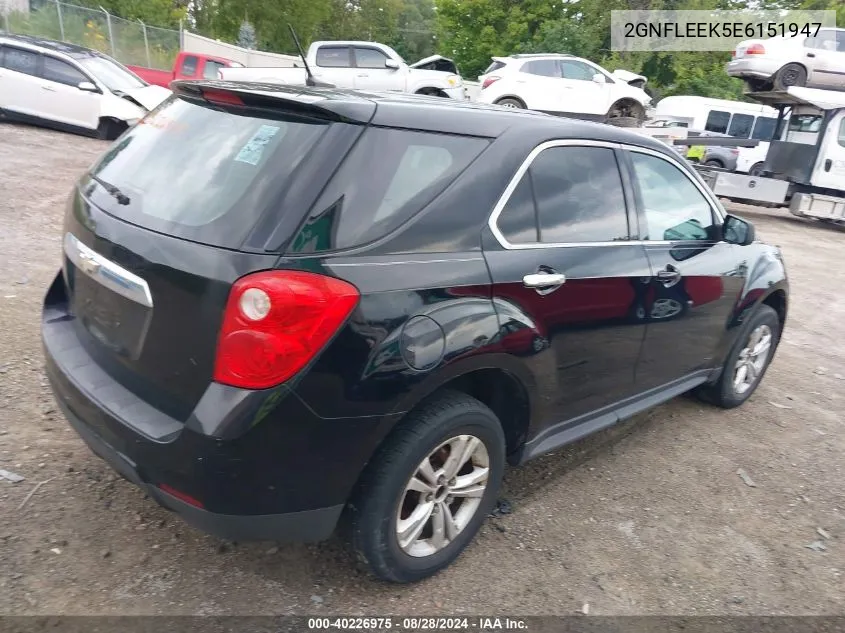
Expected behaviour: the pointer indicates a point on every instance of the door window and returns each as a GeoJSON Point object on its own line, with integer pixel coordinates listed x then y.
{"type": "Point", "coordinates": [841, 137]}
{"type": "Point", "coordinates": [20, 60]}
{"type": "Point", "coordinates": [542, 67]}
{"type": "Point", "coordinates": [369, 58]}
{"type": "Point", "coordinates": [568, 195]}
{"type": "Point", "coordinates": [674, 207]}
{"type": "Point", "coordinates": [764, 128]}
{"type": "Point", "coordinates": [333, 57]}
{"type": "Point", "coordinates": [570, 69]}
{"type": "Point", "coordinates": [717, 121]}
{"type": "Point", "coordinates": [62, 72]}
{"type": "Point", "coordinates": [741, 125]}
{"type": "Point", "coordinates": [189, 66]}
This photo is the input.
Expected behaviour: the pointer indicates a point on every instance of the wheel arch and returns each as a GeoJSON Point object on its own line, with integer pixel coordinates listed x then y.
{"type": "Point", "coordinates": [433, 91]}
{"type": "Point", "coordinates": [500, 98]}
{"type": "Point", "coordinates": [627, 101]}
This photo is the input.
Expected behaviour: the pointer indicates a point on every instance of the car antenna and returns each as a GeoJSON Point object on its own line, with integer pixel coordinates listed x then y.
{"type": "Point", "coordinates": [310, 80]}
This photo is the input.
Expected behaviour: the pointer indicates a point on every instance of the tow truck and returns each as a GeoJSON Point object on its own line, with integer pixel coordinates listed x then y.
{"type": "Point", "coordinates": [805, 165]}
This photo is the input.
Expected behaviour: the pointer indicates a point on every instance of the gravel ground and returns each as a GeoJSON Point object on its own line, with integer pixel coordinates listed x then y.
{"type": "Point", "coordinates": [648, 518]}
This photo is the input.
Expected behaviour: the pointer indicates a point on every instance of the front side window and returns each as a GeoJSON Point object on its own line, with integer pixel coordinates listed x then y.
{"type": "Point", "coordinates": [211, 68]}
{"type": "Point", "coordinates": [369, 58]}
{"type": "Point", "coordinates": [333, 56]}
{"type": "Point", "coordinates": [841, 137]}
{"type": "Point", "coordinates": [569, 194]}
{"type": "Point", "coordinates": [115, 77]}
{"type": "Point", "coordinates": [62, 72]}
{"type": "Point", "coordinates": [717, 121]}
{"type": "Point", "coordinates": [741, 125]}
{"type": "Point", "coordinates": [571, 69]}
{"type": "Point", "coordinates": [541, 67]}
{"type": "Point", "coordinates": [19, 60]}
{"type": "Point", "coordinates": [675, 209]}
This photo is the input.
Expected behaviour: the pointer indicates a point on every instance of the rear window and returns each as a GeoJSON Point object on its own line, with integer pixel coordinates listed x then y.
{"type": "Point", "coordinates": [202, 174]}
{"type": "Point", "coordinates": [385, 180]}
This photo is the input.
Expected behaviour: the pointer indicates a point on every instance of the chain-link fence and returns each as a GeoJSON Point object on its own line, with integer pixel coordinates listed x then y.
{"type": "Point", "coordinates": [129, 42]}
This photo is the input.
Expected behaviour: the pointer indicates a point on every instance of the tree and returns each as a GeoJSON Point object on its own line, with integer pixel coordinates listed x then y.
{"type": "Point", "coordinates": [246, 35]}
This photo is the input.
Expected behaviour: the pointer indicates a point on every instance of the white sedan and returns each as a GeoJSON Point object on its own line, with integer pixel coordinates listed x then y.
{"type": "Point", "coordinates": [783, 62]}
{"type": "Point", "coordinates": [565, 85]}
{"type": "Point", "coordinates": [72, 88]}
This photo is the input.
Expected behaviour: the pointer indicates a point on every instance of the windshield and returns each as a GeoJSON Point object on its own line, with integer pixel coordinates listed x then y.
{"type": "Point", "coordinates": [114, 76]}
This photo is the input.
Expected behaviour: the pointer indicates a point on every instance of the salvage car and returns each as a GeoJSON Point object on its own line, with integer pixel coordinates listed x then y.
{"type": "Point", "coordinates": [565, 85]}
{"type": "Point", "coordinates": [273, 351]}
{"type": "Point", "coordinates": [780, 63]}
{"type": "Point", "coordinates": [71, 88]}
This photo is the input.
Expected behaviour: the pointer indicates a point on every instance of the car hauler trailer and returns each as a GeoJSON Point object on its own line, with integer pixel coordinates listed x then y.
{"type": "Point", "coordinates": [805, 165]}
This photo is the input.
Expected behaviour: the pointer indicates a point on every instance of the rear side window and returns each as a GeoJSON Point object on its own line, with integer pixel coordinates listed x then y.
{"type": "Point", "coordinates": [741, 125]}
{"type": "Point", "coordinates": [385, 180]}
{"type": "Point", "coordinates": [202, 174]}
{"type": "Point", "coordinates": [189, 66]}
{"type": "Point", "coordinates": [764, 128]}
{"type": "Point", "coordinates": [717, 121]}
{"type": "Point", "coordinates": [333, 56]}
{"type": "Point", "coordinates": [493, 67]}
{"type": "Point", "coordinates": [542, 67]}
{"type": "Point", "coordinates": [567, 195]}
{"type": "Point", "coordinates": [20, 60]}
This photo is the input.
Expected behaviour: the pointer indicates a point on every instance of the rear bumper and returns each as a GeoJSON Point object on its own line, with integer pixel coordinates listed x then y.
{"type": "Point", "coordinates": [759, 67]}
{"type": "Point", "coordinates": [253, 464]}
{"type": "Point", "coordinates": [303, 526]}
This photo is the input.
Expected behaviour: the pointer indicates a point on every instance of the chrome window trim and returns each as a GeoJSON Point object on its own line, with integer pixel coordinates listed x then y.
{"type": "Point", "coordinates": [106, 272]}
{"type": "Point", "coordinates": [492, 221]}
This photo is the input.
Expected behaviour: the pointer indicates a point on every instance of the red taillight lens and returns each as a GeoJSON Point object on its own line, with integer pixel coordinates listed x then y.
{"type": "Point", "coordinates": [275, 323]}
{"type": "Point", "coordinates": [755, 49]}
{"type": "Point", "coordinates": [488, 81]}
{"type": "Point", "coordinates": [221, 97]}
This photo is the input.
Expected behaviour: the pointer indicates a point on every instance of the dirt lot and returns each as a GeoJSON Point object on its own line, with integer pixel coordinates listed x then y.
{"type": "Point", "coordinates": [649, 518]}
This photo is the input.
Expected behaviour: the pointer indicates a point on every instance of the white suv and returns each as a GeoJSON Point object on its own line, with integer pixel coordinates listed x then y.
{"type": "Point", "coordinates": [71, 88]}
{"type": "Point", "coordinates": [565, 85]}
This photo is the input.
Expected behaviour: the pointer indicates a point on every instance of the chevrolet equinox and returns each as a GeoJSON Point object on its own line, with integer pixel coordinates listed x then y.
{"type": "Point", "coordinates": [282, 310]}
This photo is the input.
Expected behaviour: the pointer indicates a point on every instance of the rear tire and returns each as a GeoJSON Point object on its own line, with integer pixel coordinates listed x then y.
{"type": "Point", "coordinates": [713, 163]}
{"type": "Point", "coordinates": [624, 121]}
{"type": "Point", "coordinates": [510, 102]}
{"type": "Point", "coordinates": [756, 169]}
{"type": "Point", "coordinates": [735, 387]}
{"type": "Point", "coordinates": [392, 491]}
{"type": "Point", "coordinates": [791, 75]}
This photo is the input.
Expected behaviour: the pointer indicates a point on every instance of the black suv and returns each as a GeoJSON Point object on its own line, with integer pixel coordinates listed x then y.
{"type": "Point", "coordinates": [283, 309]}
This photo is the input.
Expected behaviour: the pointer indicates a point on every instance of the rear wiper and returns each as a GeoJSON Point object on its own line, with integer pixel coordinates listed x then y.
{"type": "Point", "coordinates": [116, 193]}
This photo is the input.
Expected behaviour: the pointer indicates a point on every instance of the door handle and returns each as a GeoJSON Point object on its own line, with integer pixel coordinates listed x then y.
{"type": "Point", "coordinates": [828, 164]}
{"type": "Point", "coordinates": [544, 282]}
{"type": "Point", "coordinates": [811, 54]}
{"type": "Point", "coordinates": [364, 75]}
{"type": "Point", "coordinates": [48, 88]}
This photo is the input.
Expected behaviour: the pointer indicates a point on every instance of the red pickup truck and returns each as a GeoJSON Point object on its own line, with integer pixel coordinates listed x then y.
{"type": "Point", "coordinates": [186, 66]}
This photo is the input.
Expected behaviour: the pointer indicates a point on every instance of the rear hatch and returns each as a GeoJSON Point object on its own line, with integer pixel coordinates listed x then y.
{"type": "Point", "coordinates": [164, 223]}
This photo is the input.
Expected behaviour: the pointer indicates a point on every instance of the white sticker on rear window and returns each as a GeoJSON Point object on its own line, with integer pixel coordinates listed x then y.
{"type": "Point", "coordinates": [254, 148]}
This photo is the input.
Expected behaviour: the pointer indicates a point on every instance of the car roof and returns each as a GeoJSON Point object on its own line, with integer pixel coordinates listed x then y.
{"type": "Point", "coordinates": [417, 112]}
{"type": "Point", "coordinates": [71, 50]}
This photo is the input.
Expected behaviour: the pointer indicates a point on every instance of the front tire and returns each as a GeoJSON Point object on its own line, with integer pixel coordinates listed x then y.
{"type": "Point", "coordinates": [428, 489]}
{"type": "Point", "coordinates": [756, 169]}
{"type": "Point", "coordinates": [511, 103]}
{"type": "Point", "coordinates": [110, 129]}
{"type": "Point", "coordinates": [747, 361]}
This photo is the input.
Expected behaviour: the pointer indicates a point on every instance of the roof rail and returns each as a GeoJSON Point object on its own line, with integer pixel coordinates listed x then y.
{"type": "Point", "coordinates": [525, 55]}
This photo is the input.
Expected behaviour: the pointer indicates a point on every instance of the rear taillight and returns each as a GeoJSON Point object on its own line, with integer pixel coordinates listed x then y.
{"type": "Point", "coordinates": [489, 81]}
{"type": "Point", "coordinates": [275, 323]}
{"type": "Point", "coordinates": [755, 49]}
{"type": "Point", "coordinates": [735, 151]}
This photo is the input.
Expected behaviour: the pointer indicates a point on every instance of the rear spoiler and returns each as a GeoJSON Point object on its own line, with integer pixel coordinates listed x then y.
{"type": "Point", "coordinates": [332, 105]}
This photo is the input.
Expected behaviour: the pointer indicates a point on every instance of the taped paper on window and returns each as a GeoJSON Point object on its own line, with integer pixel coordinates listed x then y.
{"type": "Point", "coordinates": [251, 152]}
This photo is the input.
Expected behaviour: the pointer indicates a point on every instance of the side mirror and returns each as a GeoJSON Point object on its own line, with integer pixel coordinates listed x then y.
{"type": "Point", "coordinates": [737, 231]}
{"type": "Point", "coordinates": [599, 78]}
{"type": "Point", "coordinates": [87, 86]}
{"type": "Point", "coordinates": [392, 64]}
